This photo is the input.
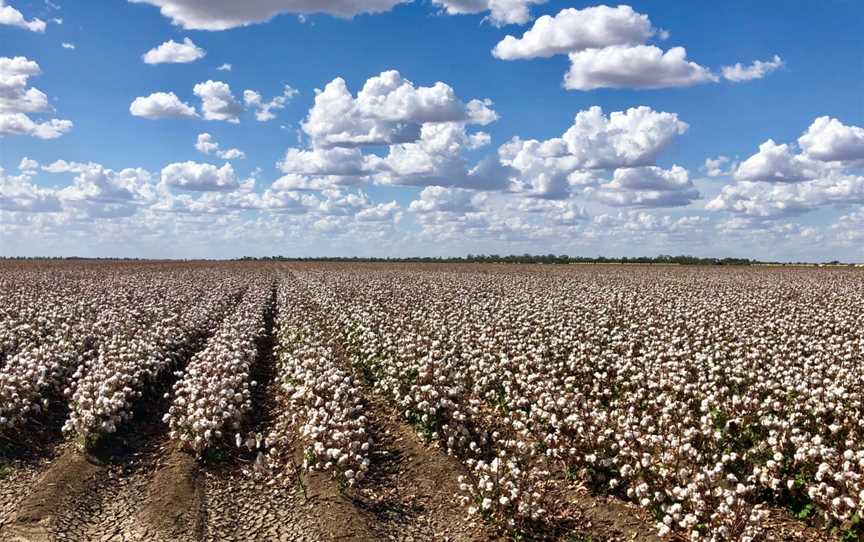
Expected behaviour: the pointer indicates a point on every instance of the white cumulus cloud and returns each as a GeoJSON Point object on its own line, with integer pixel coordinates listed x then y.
{"type": "Point", "coordinates": [161, 105]}
{"type": "Point", "coordinates": [12, 17]}
{"type": "Point", "coordinates": [574, 30]}
{"type": "Point", "coordinates": [205, 144]}
{"type": "Point", "coordinates": [217, 102]}
{"type": "Point", "coordinates": [828, 139]}
{"type": "Point", "coordinates": [501, 12]}
{"type": "Point", "coordinates": [198, 177]}
{"type": "Point", "coordinates": [641, 66]}
{"type": "Point", "coordinates": [18, 101]}
{"type": "Point", "coordinates": [225, 14]}
{"type": "Point", "coordinates": [757, 70]}
{"type": "Point", "coordinates": [172, 52]}
{"type": "Point", "coordinates": [388, 109]}
{"type": "Point", "coordinates": [264, 109]}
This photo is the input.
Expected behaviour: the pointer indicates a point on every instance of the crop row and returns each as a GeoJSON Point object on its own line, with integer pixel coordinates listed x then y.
{"type": "Point", "coordinates": [701, 402]}
{"type": "Point", "coordinates": [214, 391]}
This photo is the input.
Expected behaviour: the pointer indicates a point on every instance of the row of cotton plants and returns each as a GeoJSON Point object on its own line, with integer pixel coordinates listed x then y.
{"type": "Point", "coordinates": [322, 402]}
{"type": "Point", "coordinates": [146, 339]}
{"type": "Point", "coordinates": [704, 396]}
{"type": "Point", "coordinates": [34, 306]}
{"type": "Point", "coordinates": [214, 393]}
{"type": "Point", "coordinates": [69, 335]}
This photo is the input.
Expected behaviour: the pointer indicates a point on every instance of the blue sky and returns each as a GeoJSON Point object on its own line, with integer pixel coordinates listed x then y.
{"type": "Point", "coordinates": [414, 167]}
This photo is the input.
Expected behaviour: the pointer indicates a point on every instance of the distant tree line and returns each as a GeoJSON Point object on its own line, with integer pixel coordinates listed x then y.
{"type": "Point", "coordinates": [529, 258]}
{"type": "Point", "coordinates": [664, 259]}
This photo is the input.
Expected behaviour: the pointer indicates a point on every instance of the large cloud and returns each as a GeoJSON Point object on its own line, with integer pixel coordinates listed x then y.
{"type": "Point", "coordinates": [225, 14]}
{"type": "Point", "coordinates": [778, 164]}
{"type": "Point", "coordinates": [12, 17]}
{"type": "Point", "coordinates": [574, 30]}
{"type": "Point", "coordinates": [829, 139]}
{"type": "Point", "coordinates": [624, 139]}
{"type": "Point", "coordinates": [161, 105]}
{"type": "Point", "coordinates": [18, 101]}
{"type": "Point", "coordinates": [388, 109]}
{"type": "Point", "coordinates": [172, 52]}
{"type": "Point", "coordinates": [640, 66]}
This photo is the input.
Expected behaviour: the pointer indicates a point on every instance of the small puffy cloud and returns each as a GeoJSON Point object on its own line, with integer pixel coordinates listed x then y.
{"type": "Point", "coordinates": [28, 164]}
{"type": "Point", "coordinates": [198, 177]}
{"type": "Point", "coordinates": [648, 186]}
{"type": "Point", "coordinates": [172, 52]}
{"type": "Point", "coordinates": [12, 17]}
{"type": "Point", "coordinates": [478, 140]}
{"type": "Point", "coordinates": [501, 12]}
{"type": "Point", "coordinates": [161, 105]}
{"type": "Point", "coordinates": [573, 30]}
{"type": "Point", "coordinates": [217, 102]}
{"type": "Point", "coordinates": [828, 139]}
{"type": "Point", "coordinates": [264, 110]}
{"type": "Point", "coordinates": [640, 67]}
{"type": "Point", "coordinates": [714, 167]}
{"type": "Point", "coordinates": [224, 67]}
{"type": "Point", "coordinates": [67, 45]}
{"type": "Point", "coordinates": [757, 70]}
{"type": "Point", "coordinates": [225, 14]}
{"type": "Point", "coordinates": [21, 124]}
{"type": "Point", "coordinates": [231, 154]}
{"type": "Point", "coordinates": [778, 164]}
{"type": "Point", "coordinates": [205, 144]}
{"type": "Point", "coordinates": [388, 110]}
{"type": "Point", "coordinates": [439, 199]}
{"type": "Point", "coordinates": [18, 101]}
{"type": "Point", "coordinates": [481, 112]}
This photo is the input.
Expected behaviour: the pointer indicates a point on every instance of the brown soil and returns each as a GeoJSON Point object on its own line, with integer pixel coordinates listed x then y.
{"type": "Point", "coordinates": [335, 515]}
{"type": "Point", "coordinates": [174, 505]}
{"type": "Point", "coordinates": [413, 487]}
{"type": "Point", "coordinates": [65, 483]}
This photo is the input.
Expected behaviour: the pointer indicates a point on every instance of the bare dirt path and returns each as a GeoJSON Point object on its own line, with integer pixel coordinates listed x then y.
{"type": "Point", "coordinates": [416, 493]}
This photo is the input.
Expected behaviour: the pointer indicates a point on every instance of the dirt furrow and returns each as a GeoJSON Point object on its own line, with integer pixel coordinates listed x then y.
{"type": "Point", "coordinates": [412, 487]}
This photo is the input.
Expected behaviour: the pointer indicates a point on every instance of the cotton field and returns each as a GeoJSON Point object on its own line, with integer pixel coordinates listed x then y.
{"type": "Point", "coordinates": [301, 401]}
